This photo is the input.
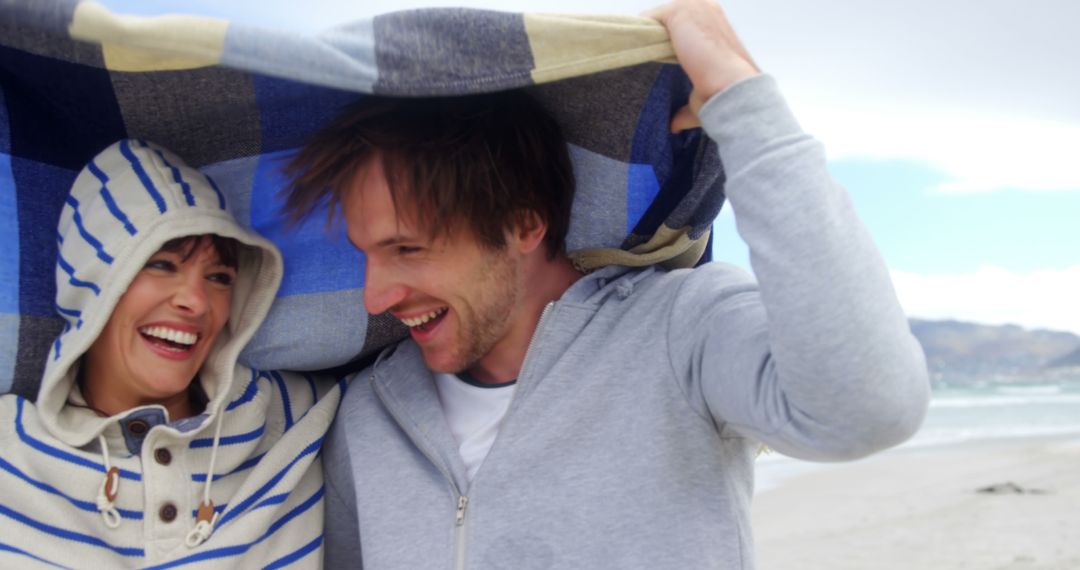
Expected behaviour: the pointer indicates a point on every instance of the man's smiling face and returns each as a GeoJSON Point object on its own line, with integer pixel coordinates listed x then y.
{"type": "Point", "coordinates": [458, 298]}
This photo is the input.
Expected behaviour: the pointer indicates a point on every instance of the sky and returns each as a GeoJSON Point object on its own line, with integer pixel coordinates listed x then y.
{"type": "Point", "coordinates": [954, 125]}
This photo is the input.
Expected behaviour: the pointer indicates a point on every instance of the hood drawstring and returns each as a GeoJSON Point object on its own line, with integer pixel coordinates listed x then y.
{"type": "Point", "coordinates": [207, 517]}
{"type": "Point", "coordinates": [110, 487]}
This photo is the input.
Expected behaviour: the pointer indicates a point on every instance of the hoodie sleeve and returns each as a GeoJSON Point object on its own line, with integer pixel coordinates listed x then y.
{"type": "Point", "coordinates": [817, 359]}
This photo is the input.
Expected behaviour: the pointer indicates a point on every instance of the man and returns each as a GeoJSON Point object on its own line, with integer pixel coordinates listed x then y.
{"type": "Point", "coordinates": [541, 418]}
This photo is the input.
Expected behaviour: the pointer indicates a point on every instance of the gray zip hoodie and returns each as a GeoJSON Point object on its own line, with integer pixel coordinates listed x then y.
{"type": "Point", "coordinates": [631, 439]}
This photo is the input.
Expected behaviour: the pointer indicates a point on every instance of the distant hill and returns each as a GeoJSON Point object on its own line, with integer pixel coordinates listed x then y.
{"type": "Point", "coordinates": [960, 350]}
{"type": "Point", "coordinates": [1071, 360]}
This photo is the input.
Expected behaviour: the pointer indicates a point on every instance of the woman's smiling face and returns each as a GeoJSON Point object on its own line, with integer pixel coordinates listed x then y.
{"type": "Point", "coordinates": [161, 331]}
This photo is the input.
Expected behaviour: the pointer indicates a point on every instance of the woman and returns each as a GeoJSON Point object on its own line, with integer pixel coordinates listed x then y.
{"type": "Point", "coordinates": [149, 445]}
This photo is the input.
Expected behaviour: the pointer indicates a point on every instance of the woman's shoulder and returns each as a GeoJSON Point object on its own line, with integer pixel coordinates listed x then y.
{"type": "Point", "coordinates": [15, 413]}
{"type": "Point", "coordinates": [288, 396]}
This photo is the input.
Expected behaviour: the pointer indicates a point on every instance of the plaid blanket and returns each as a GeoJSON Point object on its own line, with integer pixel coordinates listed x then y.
{"type": "Point", "coordinates": [234, 100]}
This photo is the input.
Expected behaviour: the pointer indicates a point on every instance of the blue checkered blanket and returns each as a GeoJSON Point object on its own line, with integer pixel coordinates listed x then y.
{"type": "Point", "coordinates": [235, 100]}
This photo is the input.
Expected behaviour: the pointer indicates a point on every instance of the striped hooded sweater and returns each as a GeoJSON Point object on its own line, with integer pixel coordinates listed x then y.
{"type": "Point", "coordinates": [254, 450]}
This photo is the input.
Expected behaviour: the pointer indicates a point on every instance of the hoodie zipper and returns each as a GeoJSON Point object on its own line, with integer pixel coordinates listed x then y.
{"type": "Point", "coordinates": [462, 503]}
{"type": "Point", "coordinates": [433, 457]}
{"type": "Point", "coordinates": [462, 500]}
{"type": "Point", "coordinates": [532, 341]}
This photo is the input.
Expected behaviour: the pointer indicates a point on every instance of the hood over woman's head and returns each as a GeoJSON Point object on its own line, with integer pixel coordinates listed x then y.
{"type": "Point", "coordinates": [125, 205]}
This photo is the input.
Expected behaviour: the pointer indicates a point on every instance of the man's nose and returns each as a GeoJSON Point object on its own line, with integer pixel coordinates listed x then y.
{"type": "Point", "coordinates": [382, 290]}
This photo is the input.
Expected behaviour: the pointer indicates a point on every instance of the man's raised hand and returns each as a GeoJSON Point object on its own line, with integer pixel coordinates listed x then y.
{"type": "Point", "coordinates": [707, 48]}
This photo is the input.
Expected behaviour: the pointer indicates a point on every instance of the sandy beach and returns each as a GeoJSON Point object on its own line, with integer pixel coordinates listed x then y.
{"type": "Point", "coordinates": [919, 509]}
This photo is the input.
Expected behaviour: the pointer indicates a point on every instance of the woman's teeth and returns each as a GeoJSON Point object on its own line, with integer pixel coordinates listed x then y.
{"type": "Point", "coordinates": [171, 335]}
{"type": "Point", "coordinates": [417, 321]}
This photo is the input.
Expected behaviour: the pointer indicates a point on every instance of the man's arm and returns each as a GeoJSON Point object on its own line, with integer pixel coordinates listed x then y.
{"type": "Point", "coordinates": [818, 361]}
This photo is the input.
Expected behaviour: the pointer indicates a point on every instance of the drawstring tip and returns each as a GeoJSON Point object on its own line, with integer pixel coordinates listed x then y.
{"type": "Point", "coordinates": [107, 493]}
{"type": "Point", "coordinates": [205, 520]}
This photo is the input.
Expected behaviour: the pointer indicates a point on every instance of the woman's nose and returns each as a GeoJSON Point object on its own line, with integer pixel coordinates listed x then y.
{"type": "Point", "coordinates": [190, 295]}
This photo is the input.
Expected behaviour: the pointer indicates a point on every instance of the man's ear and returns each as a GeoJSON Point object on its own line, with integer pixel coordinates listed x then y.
{"type": "Point", "coordinates": [528, 232]}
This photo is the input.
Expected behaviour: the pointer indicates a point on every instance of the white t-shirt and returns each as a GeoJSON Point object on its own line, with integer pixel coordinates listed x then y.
{"type": "Point", "coordinates": [474, 413]}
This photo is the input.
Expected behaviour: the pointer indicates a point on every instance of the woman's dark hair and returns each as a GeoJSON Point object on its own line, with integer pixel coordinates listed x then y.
{"type": "Point", "coordinates": [227, 249]}
{"type": "Point", "coordinates": [482, 163]}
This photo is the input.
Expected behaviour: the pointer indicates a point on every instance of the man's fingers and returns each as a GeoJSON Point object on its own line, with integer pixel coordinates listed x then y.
{"type": "Point", "coordinates": [705, 44]}
{"type": "Point", "coordinates": [658, 13]}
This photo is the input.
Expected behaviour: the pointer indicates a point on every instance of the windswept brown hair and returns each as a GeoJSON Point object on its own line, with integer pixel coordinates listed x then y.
{"type": "Point", "coordinates": [481, 163]}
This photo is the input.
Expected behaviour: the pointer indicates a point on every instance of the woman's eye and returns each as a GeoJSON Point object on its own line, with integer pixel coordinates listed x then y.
{"type": "Point", "coordinates": [160, 264]}
{"type": "Point", "coordinates": [221, 278]}
{"type": "Point", "coordinates": [407, 249]}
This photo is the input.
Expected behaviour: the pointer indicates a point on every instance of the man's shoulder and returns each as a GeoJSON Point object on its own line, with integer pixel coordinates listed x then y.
{"type": "Point", "coordinates": [396, 363]}
{"type": "Point", "coordinates": [655, 281]}
{"type": "Point", "coordinates": [720, 274]}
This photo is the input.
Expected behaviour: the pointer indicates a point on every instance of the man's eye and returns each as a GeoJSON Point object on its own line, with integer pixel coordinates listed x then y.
{"type": "Point", "coordinates": [407, 249]}
{"type": "Point", "coordinates": [160, 264]}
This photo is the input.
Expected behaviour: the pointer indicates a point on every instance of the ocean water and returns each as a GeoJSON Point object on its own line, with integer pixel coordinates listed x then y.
{"type": "Point", "coordinates": [966, 412]}
{"type": "Point", "coordinates": [992, 410]}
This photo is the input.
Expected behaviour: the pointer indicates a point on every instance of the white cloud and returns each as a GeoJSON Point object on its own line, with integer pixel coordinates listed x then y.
{"type": "Point", "coordinates": [992, 295]}
{"type": "Point", "coordinates": [974, 153]}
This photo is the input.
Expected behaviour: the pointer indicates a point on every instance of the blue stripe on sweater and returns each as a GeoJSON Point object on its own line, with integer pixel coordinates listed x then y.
{"type": "Point", "coordinates": [114, 209]}
{"type": "Point", "coordinates": [57, 344]}
{"type": "Point", "coordinates": [77, 315]}
{"type": "Point", "coordinates": [178, 178]}
{"type": "Point", "coordinates": [59, 453]}
{"type": "Point", "coordinates": [13, 550]}
{"type": "Point", "coordinates": [201, 477]}
{"type": "Point", "coordinates": [125, 149]}
{"type": "Point", "coordinates": [86, 235]}
{"type": "Point", "coordinates": [258, 494]}
{"type": "Point", "coordinates": [88, 506]}
{"type": "Point", "coordinates": [311, 384]}
{"type": "Point", "coordinates": [99, 173]}
{"type": "Point", "coordinates": [109, 202]}
{"type": "Point", "coordinates": [296, 555]}
{"type": "Point", "coordinates": [270, 501]}
{"type": "Point", "coordinates": [73, 313]}
{"type": "Point", "coordinates": [75, 281]}
{"type": "Point", "coordinates": [284, 399]}
{"type": "Point", "coordinates": [237, 550]}
{"type": "Point", "coordinates": [220, 195]}
{"type": "Point", "coordinates": [229, 440]}
{"type": "Point", "coordinates": [249, 391]}
{"type": "Point", "coordinates": [68, 534]}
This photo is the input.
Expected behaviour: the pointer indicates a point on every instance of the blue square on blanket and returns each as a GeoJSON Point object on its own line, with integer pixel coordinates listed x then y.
{"type": "Point", "coordinates": [58, 112]}
{"type": "Point", "coordinates": [40, 190]}
{"type": "Point", "coordinates": [316, 260]}
{"type": "Point", "coordinates": [289, 111]}
{"type": "Point", "coordinates": [9, 236]}
{"type": "Point", "coordinates": [641, 189]}
{"type": "Point", "coordinates": [5, 126]}
{"type": "Point", "coordinates": [9, 349]}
